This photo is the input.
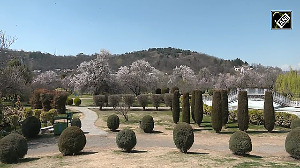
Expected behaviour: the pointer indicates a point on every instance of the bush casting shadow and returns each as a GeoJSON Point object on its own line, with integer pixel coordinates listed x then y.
{"type": "Point", "coordinates": [87, 153]}
{"type": "Point", "coordinates": [197, 153]}
{"type": "Point", "coordinates": [135, 151]}
{"type": "Point", "coordinates": [25, 160]}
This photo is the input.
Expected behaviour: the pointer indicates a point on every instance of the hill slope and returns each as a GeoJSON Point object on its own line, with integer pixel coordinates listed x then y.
{"type": "Point", "coordinates": [163, 59]}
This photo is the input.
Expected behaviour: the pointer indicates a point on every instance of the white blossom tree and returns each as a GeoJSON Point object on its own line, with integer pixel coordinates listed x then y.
{"type": "Point", "coordinates": [92, 76]}
{"type": "Point", "coordinates": [183, 77]}
{"type": "Point", "coordinates": [139, 77]}
{"type": "Point", "coordinates": [48, 80]}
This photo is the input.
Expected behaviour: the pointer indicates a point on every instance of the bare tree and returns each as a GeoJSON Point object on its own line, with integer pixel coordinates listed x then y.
{"type": "Point", "coordinates": [5, 40]}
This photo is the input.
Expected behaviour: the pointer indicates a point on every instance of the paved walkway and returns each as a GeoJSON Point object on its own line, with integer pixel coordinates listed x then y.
{"type": "Point", "coordinates": [88, 121]}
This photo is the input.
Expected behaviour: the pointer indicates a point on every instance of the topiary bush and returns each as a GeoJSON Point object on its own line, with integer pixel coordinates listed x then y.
{"type": "Point", "coordinates": [295, 123]}
{"type": "Point", "coordinates": [76, 122]}
{"type": "Point", "coordinates": [147, 124]}
{"type": "Point", "coordinates": [99, 100]}
{"type": "Point", "coordinates": [156, 100]}
{"type": "Point", "coordinates": [126, 140]}
{"type": "Point", "coordinates": [114, 100]}
{"type": "Point", "coordinates": [242, 111]}
{"type": "Point", "coordinates": [224, 102]}
{"type": "Point", "coordinates": [216, 115]}
{"type": "Point", "coordinates": [183, 136]}
{"type": "Point", "coordinates": [77, 101]}
{"type": "Point", "coordinates": [198, 107]}
{"type": "Point", "coordinates": [292, 143]}
{"type": "Point", "coordinates": [69, 101]}
{"type": "Point", "coordinates": [47, 100]}
{"type": "Point", "coordinates": [158, 91]}
{"type": "Point", "coordinates": [35, 100]}
{"type": "Point", "coordinates": [31, 127]}
{"type": "Point", "coordinates": [143, 100]}
{"type": "Point", "coordinates": [176, 106]}
{"type": "Point", "coordinates": [71, 141]}
{"type": "Point", "coordinates": [13, 147]}
{"type": "Point", "coordinates": [240, 143]}
{"type": "Point", "coordinates": [128, 99]}
{"type": "Point", "coordinates": [168, 98]}
{"type": "Point", "coordinates": [59, 100]}
{"type": "Point", "coordinates": [186, 108]}
{"type": "Point", "coordinates": [113, 122]}
{"type": "Point", "coordinates": [165, 90]}
{"type": "Point", "coordinates": [193, 105]}
{"type": "Point", "coordinates": [269, 113]}
{"type": "Point", "coordinates": [48, 116]}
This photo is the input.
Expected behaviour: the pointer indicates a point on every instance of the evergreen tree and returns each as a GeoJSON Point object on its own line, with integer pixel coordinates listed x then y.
{"type": "Point", "coordinates": [216, 116]}
{"type": "Point", "coordinates": [198, 109]}
{"type": "Point", "coordinates": [269, 114]}
{"type": "Point", "coordinates": [186, 108]}
{"type": "Point", "coordinates": [176, 106]}
{"type": "Point", "coordinates": [242, 112]}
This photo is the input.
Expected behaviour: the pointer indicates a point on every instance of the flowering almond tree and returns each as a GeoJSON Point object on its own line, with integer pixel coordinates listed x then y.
{"type": "Point", "coordinates": [139, 77]}
{"type": "Point", "coordinates": [183, 77]}
{"type": "Point", "coordinates": [48, 80]}
{"type": "Point", "coordinates": [92, 76]}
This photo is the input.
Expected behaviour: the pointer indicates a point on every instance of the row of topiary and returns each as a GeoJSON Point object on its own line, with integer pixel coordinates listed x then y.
{"type": "Point", "coordinates": [129, 99]}
{"type": "Point", "coordinates": [146, 124]}
{"type": "Point", "coordinates": [49, 99]}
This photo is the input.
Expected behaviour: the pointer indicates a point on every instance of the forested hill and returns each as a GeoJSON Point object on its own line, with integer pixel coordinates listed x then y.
{"type": "Point", "coordinates": [164, 59]}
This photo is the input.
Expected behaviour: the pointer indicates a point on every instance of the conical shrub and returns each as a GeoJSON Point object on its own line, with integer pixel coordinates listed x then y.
{"type": "Point", "coordinates": [176, 106]}
{"type": "Point", "coordinates": [198, 108]}
{"type": "Point", "coordinates": [186, 108]}
{"type": "Point", "coordinates": [242, 111]}
{"type": "Point", "coordinates": [193, 105]}
{"type": "Point", "coordinates": [216, 116]}
{"type": "Point", "coordinates": [225, 112]}
{"type": "Point", "coordinates": [269, 114]}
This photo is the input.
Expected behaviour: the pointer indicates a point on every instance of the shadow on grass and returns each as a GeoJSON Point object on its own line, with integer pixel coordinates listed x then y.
{"type": "Point", "coordinates": [156, 132]}
{"type": "Point", "coordinates": [25, 160]}
{"type": "Point", "coordinates": [136, 151]}
{"type": "Point", "coordinates": [253, 156]}
{"type": "Point", "coordinates": [87, 153]}
{"type": "Point", "coordinates": [197, 153]}
{"type": "Point", "coordinates": [202, 129]}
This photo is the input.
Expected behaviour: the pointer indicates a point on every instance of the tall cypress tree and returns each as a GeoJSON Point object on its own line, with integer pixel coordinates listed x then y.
{"type": "Point", "coordinates": [216, 116]}
{"type": "Point", "coordinates": [176, 106]}
{"type": "Point", "coordinates": [242, 111]}
{"type": "Point", "coordinates": [225, 112]}
{"type": "Point", "coordinates": [186, 108]}
{"type": "Point", "coordinates": [269, 114]}
{"type": "Point", "coordinates": [198, 109]}
{"type": "Point", "coordinates": [193, 105]}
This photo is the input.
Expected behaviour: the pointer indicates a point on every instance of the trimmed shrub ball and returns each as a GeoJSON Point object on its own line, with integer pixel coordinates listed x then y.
{"type": "Point", "coordinates": [292, 143]}
{"type": "Point", "coordinates": [240, 143]}
{"type": "Point", "coordinates": [69, 101]}
{"type": "Point", "coordinates": [31, 127]}
{"type": "Point", "coordinates": [76, 122]}
{"type": "Point", "coordinates": [113, 122]}
{"type": "Point", "coordinates": [183, 136]}
{"type": "Point", "coordinates": [71, 141]}
{"type": "Point", "coordinates": [126, 140]}
{"type": "Point", "coordinates": [295, 123]}
{"type": "Point", "coordinates": [77, 101]}
{"type": "Point", "coordinates": [12, 147]}
{"type": "Point", "coordinates": [147, 124]}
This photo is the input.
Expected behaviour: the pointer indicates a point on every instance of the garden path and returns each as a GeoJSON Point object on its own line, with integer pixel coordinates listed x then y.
{"type": "Point", "coordinates": [88, 121]}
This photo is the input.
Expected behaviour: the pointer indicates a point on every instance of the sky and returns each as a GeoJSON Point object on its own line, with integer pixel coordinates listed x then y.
{"type": "Point", "coordinates": [225, 29]}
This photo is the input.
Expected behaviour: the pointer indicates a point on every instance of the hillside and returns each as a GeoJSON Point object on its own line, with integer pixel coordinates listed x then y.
{"type": "Point", "coordinates": [164, 59]}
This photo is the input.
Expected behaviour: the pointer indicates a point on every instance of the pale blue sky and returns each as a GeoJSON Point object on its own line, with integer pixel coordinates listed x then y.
{"type": "Point", "coordinates": [226, 29]}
